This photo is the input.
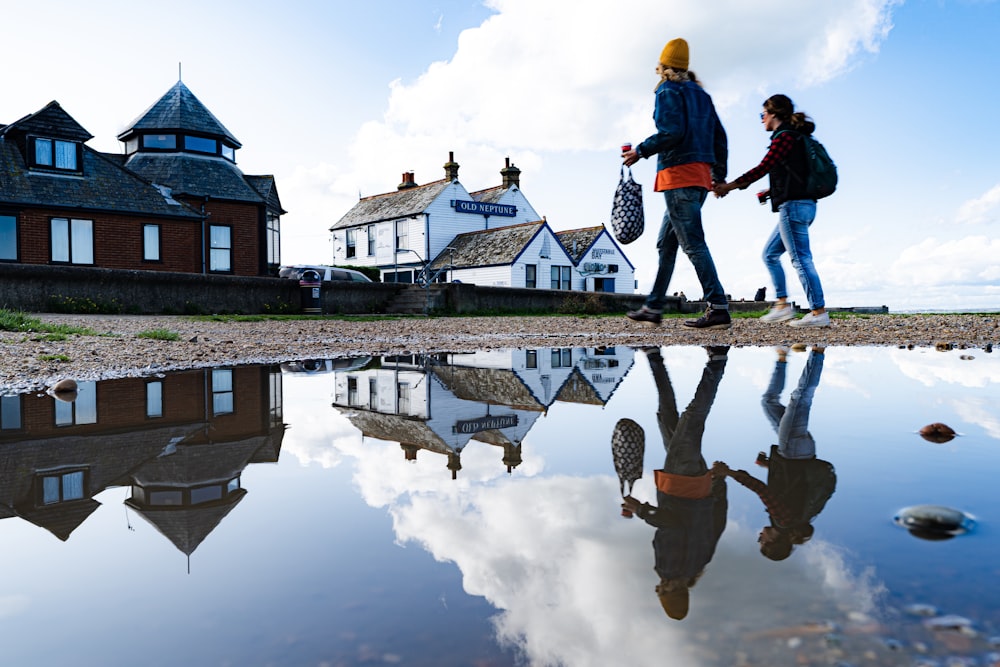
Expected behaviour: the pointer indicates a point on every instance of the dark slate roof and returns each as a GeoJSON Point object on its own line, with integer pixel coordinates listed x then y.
{"type": "Point", "coordinates": [63, 518]}
{"type": "Point", "coordinates": [390, 205]}
{"type": "Point", "coordinates": [51, 121]}
{"type": "Point", "coordinates": [488, 247]}
{"type": "Point", "coordinates": [268, 190]}
{"type": "Point", "coordinates": [104, 186]}
{"type": "Point", "coordinates": [195, 175]}
{"type": "Point", "coordinates": [492, 386]}
{"type": "Point", "coordinates": [188, 527]}
{"type": "Point", "coordinates": [577, 389]}
{"type": "Point", "coordinates": [583, 238]}
{"type": "Point", "coordinates": [396, 428]}
{"type": "Point", "coordinates": [180, 110]}
{"type": "Point", "coordinates": [489, 195]}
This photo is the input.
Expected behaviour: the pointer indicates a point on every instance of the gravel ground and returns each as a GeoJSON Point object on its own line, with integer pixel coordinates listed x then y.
{"type": "Point", "coordinates": [29, 362]}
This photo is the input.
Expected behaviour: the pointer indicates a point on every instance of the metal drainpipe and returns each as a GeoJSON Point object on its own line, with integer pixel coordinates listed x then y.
{"type": "Point", "coordinates": [204, 239]}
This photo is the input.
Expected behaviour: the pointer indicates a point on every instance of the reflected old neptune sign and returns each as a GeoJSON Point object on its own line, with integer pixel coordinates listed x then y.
{"type": "Point", "coordinates": [486, 423]}
{"type": "Point", "coordinates": [483, 208]}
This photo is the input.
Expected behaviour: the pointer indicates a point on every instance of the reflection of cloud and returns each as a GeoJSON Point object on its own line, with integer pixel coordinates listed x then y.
{"type": "Point", "coordinates": [857, 592]}
{"type": "Point", "coordinates": [931, 368]}
{"type": "Point", "coordinates": [980, 412]}
{"type": "Point", "coordinates": [13, 605]}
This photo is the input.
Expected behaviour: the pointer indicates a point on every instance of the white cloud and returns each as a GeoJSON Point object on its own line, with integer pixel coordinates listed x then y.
{"type": "Point", "coordinates": [935, 263]}
{"type": "Point", "coordinates": [550, 76]}
{"type": "Point", "coordinates": [984, 209]}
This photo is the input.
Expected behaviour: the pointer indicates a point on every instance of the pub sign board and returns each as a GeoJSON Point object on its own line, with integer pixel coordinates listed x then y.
{"type": "Point", "coordinates": [484, 208]}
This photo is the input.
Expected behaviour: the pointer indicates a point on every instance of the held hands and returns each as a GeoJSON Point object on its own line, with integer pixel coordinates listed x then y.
{"type": "Point", "coordinates": [720, 469]}
{"type": "Point", "coordinates": [722, 189]}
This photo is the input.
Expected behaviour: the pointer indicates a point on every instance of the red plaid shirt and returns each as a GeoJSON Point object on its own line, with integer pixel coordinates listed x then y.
{"type": "Point", "coordinates": [779, 149]}
{"type": "Point", "coordinates": [775, 509]}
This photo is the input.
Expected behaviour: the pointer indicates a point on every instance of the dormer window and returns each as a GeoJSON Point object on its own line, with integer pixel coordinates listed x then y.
{"type": "Point", "coordinates": [201, 145]}
{"type": "Point", "coordinates": [160, 141]}
{"type": "Point", "coordinates": [55, 154]}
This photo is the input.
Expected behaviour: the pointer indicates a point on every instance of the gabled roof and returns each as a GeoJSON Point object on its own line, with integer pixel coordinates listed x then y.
{"type": "Point", "coordinates": [488, 247]}
{"type": "Point", "coordinates": [268, 190]}
{"type": "Point", "coordinates": [489, 195]}
{"type": "Point", "coordinates": [105, 186]}
{"type": "Point", "coordinates": [390, 205]}
{"type": "Point", "coordinates": [49, 121]}
{"type": "Point", "coordinates": [180, 110]}
{"type": "Point", "coordinates": [491, 386]}
{"type": "Point", "coordinates": [578, 241]}
{"type": "Point", "coordinates": [195, 175]}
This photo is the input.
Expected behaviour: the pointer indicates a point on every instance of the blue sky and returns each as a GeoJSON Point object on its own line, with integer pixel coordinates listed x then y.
{"type": "Point", "coordinates": [340, 98]}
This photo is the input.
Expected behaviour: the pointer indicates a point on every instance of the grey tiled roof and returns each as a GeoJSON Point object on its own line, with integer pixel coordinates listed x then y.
{"type": "Point", "coordinates": [187, 527]}
{"type": "Point", "coordinates": [179, 109]}
{"type": "Point", "coordinates": [489, 247]}
{"type": "Point", "coordinates": [195, 175]}
{"type": "Point", "coordinates": [52, 121]}
{"type": "Point", "coordinates": [489, 195]}
{"type": "Point", "coordinates": [105, 186]}
{"type": "Point", "coordinates": [410, 201]}
{"type": "Point", "coordinates": [583, 238]}
{"type": "Point", "coordinates": [488, 385]}
{"type": "Point", "coordinates": [396, 428]}
{"type": "Point", "coordinates": [268, 190]}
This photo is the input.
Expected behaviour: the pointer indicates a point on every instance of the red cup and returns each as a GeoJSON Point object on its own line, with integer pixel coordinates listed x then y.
{"type": "Point", "coordinates": [626, 147]}
{"type": "Point", "coordinates": [626, 513]}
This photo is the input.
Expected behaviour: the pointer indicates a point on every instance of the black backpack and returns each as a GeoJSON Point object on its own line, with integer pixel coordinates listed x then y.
{"type": "Point", "coordinates": [821, 181]}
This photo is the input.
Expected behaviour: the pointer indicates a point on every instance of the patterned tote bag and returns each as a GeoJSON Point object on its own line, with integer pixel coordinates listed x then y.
{"type": "Point", "coordinates": [627, 220]}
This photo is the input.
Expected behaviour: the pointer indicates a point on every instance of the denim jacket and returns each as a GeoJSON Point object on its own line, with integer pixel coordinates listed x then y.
{"type": "Point", "coordinates": [687, 129]}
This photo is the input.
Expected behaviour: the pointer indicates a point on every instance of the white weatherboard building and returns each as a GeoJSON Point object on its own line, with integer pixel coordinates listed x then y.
{"type": "Point", "coordinates": [441, 232]}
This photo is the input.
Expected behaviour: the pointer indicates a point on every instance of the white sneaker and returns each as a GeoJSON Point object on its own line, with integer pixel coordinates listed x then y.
{"type": "Point", "coordinates": [810, 321]}
{"type": "Point", "coordinates": [778, 313]}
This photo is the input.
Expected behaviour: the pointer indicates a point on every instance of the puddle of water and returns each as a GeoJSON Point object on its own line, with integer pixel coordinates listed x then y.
{"type": "Point", "coordinates": [466, 509]}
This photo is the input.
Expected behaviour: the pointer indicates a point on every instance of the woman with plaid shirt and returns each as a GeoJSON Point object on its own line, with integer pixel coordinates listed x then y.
{"type": "Point", "coordinates": [785, 164]}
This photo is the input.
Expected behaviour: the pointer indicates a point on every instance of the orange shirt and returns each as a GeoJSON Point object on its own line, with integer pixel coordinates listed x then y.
{"type": "Point", "coordinates": [683, 485]}
{"type": "Point", "coordinates": [692, 174]}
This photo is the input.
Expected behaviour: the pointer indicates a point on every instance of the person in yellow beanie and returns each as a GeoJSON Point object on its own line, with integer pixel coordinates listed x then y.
{"type": "Point", "coordinates": [692, 152]}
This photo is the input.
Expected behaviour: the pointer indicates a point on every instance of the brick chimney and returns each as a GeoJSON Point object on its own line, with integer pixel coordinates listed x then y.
{"type": "Point", "coordinates": [408, 181]}
{"type": "Point", "coordinates": [511, 175]}
{"type": "Point", "coordinates": [451, 168]}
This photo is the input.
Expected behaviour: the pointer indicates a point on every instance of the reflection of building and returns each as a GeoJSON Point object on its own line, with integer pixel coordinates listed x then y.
{"type": "Point", "coordinates": [180, 442]}
{"type": "Point", "coordinates": [442, 403]}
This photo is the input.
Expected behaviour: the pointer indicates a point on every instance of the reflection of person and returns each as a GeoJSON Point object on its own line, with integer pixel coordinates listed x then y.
{"type": "Point", "coordinates": [785, 163]}
{"type": "Point", "coordinates": [691, 149]}
{"type": "Point", "coordinates": [690, 514]}
{"type": "Point", "coordinates": [798, 484]}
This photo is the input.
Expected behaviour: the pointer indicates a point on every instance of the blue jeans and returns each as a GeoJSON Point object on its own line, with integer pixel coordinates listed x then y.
{"type": "Point", "coordinates": [792, 235]}
{"type": "Point", "coordinates": [682, 228]}
{"type": "Point", "coordinates": [792, 423]}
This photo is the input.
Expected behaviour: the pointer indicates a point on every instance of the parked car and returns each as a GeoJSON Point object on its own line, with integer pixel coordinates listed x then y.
{"type": "Point", "coordinates": [326, 273]}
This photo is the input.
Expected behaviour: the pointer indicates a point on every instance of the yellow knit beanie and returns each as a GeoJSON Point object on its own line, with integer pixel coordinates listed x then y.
{"type": "Point", "coordinates": [675, 54]}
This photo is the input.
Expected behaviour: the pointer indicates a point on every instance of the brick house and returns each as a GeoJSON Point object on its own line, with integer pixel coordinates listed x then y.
{"type": "Point", "coordinates": [174, 201]}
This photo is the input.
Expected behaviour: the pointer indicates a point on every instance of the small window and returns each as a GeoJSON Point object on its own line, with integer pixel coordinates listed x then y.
{"type": "Point", "coordinates": [403, 391]}
{"type": "Point", "coordinates": [222, 392]}
{"type": "Point", "coordinates": [402, 236]}
{"type": "Point", "coordinates": [221, 252]}
{"type": "Point", "coordinates": [62, 487]}
{"type": "Point", "coordinates": [10, 413]}
{"type": "Point", "coordinates": [201, 145]}
{"type": "Point", "coordinates": [8, 237]}
{"type": "Point", "coordinates": [352, 391]}
{"type": "Point", "coordinates": [72, 241]}
{"type": "Point", "coordinates": [229, 153]}
{"type": "Point", "coordinates": [151, 243]}
{"type": "Point", "coordinates": [57, 154]}
{"type": "Point", "coordinates": [154, 400]}
{"type": "Point", "coordinates": [273, 240]}
{"type": "Point", "coordinates": [531, 358]}
{"type": "Point", "coordinates": [560, 277]}
{"type": "Point", "coordinates": [530, 276]}
{"type": "Point", "coordinates": [352, 243]}
{"type": "Point", "coordinates": [562, 358]}
{"type": "Point", "coordinates": [160, 141]}
{"type": "Point", "coordinates": [371, 240]}
{"type": "Point", "coordinates": [83, 410]}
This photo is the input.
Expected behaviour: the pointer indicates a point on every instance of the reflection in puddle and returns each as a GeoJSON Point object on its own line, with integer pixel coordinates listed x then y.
{"type": "Point", "coordinates": [456, 508]}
